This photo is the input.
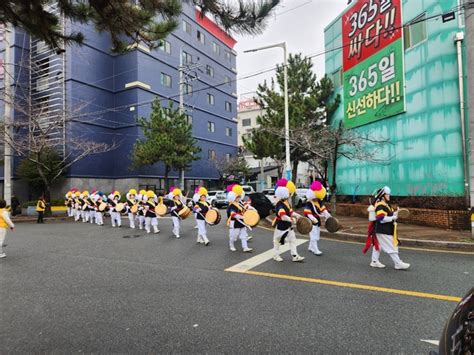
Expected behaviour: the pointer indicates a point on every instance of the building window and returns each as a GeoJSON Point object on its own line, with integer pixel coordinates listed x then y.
{"type": "Point", "coordinates": [228, 106]}
{"type": "Point", "coordinates": [165, 46]}
{"type": "Point", "coordinates": [189, 119]}
{"type": "Point", "coordinates": [165, 80]}
{"type": "Point", "coordinates": [41, 47]}
{"type": "Point", "coordinates": [200, 37]}
{"type": "Point", "coordinates": [228, 56]}
{"type": "Point", "coordinates": [415, 33]}
{"type": "Point", "coordinates": [228, 132]}
{"type": "Point", "coordinates": [228, 156]}
{"type": "Point", "coordinates": [211, 127]}
{"type": "Point", "coordinates": [246, 122]}
{"type": "Point", "coordinates": [209, 70]}
{"type": "Point", "coordinates": [210, 99]}
{"type": "Point", "coordinates": [336, 78]}
{"type": "Point", "coordinates": [211, 154]}
{"type": "Point", "coordinates": [188, 89]}
{"type": "Point", "coordinates": [216, 48]}
{"type": "Point", "coordinates": [187, 58]}
{"type": "Point", "coordinates": [226, 79]}
{"type": "Point", "coordinates": [186, 27]}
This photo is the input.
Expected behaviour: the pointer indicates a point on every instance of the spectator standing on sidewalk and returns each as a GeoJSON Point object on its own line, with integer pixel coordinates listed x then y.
{"type": "Point", "coordinates": [40, 207]}
{"type": "Point", "coordinates": [15, 205]}
{"type": "Point", "coordinates": [5, 223]}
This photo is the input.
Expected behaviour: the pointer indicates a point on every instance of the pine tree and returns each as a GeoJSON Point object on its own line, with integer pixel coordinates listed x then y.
{"type": "Point", "coordinates": [167, 139]}
{"type": "Point", "coordinates": [309, 102]}
{"type": "Point", "coordinates": [128, 21]}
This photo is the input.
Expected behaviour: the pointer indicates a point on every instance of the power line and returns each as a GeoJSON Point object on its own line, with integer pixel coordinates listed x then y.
{"type": "Point", "coordinates": [116, 109]}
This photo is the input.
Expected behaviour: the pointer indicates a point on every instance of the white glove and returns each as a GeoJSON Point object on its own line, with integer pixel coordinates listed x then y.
{"type": "Point", "coordinates": [326, 214]}
{"type": "Point", "coordinates": [297, 215]}
{"type": "Point", "coordinates": [286, 218]}
{"type": "Point", "coordinates": [239, 217]}
{"type": "Point", "coordinates": [313, 219]}
{"type": "Point", "coordinates": [173, 208]}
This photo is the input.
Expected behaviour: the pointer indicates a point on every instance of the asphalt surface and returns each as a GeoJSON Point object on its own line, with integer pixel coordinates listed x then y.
{"type": "Point", "coordinates": [73, 287]}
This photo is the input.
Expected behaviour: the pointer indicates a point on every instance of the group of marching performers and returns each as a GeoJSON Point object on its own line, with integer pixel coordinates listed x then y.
{"type": "Point", "coordinates": [143, 208]}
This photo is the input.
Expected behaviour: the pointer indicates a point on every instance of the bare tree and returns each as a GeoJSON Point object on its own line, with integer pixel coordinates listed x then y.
{"type": "Point", "coordinates": [326, 145]}
{"type": "Point", "coordinates": [39, 128]}
{"type": "Point", "coordinates": [231, 169]}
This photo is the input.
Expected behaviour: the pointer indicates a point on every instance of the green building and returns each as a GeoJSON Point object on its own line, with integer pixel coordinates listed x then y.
{"type": "Point", "coordinates": [422, 114]}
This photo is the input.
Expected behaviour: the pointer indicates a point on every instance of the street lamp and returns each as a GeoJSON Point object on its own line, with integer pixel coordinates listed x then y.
{"type": "Point", "coordinates": [285, 89]}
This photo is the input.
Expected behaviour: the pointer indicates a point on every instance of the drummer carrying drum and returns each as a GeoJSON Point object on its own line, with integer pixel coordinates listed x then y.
{"type": "Point", "coordinates": [132, 207]}
{"type": "Point", "coordinates": [150, 199]}
{"type": "Point", "coordinates": [285, 220]}
{"type": "Point", "coordinates": [115, 217]}
{"type": "Point", "coordinates": [386, 231]}
{"type": "Point", "coordinates": [201, 208]}
{"type": "Point", "coordinates": [176, 197]}
{"type": "Point", "coordinates": [314, 209]}
{"type": "Point", "coordinates": [235, 215]}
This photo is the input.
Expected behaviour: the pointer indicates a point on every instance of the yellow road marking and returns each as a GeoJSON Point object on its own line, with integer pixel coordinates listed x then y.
{"type": "Point", "coordinates": [351, 285]}
{"type": "Point", "coordinates": [406, 248]}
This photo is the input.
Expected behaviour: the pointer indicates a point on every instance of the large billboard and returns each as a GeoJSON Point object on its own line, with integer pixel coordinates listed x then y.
{"type": "Point", "coordinates": [372, 61]}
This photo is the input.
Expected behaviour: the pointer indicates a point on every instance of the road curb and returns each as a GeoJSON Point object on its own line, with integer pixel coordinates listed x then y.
{"type": "Point", "coordinates": [406, 242]}
{"type": "Point", "coordinates": [34, 219]}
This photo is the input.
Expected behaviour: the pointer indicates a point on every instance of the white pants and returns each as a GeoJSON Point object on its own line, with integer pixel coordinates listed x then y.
{"type": "Point", "coordinates": [116, 219]}
{"type": "Point", "coordinates": [77, 215]}
{"type": "Point", "coordinates": [314, 238]}
{"type": "Point", "coordinates": [70, 212]}
{"type": "Point", "coordinates": [176, 225]}
{"type": "Point", "coordinates": [131, 219]}
{"type": "Point", "coordinates": [151, 221]}
{"type": "Point", "coordinates": [3, 234]}
{"type": "Point", "coordinates": [202, 233]}
{"type": "Point", "coordinates": [141, 222]}
{"type": "Point", "coordinates": [92, 216]}
{"type": "Point", "coordinates": [238, 233]}
{"type": "Point", "coordinates": [83, 215]}
{"type": "Point", "coordinates": [290, 238]}
{"type": "Point", "coordinates": [386, 244]}
{"type": "Point", "coordinates": [99, 218]}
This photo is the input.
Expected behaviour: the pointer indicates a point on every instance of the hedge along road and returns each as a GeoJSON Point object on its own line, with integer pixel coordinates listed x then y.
{"type": "Point", "coordinates": [78, 287]}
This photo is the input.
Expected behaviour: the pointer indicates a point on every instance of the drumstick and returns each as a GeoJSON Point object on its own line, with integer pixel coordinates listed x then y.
{"type": "Point", "coordinates": [211, 224]}
{"type": "Point", "coordinates": [242, 222]}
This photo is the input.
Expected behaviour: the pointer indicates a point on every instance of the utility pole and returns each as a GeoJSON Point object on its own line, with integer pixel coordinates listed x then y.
{"type": "Point", "coordinates": [469, 46]}
{"type": "Point", "coordinates": [181, 104]}
{"type": "Point", "coordinates": [7, 155]}
{"type": "Point", "coordinates": [282, 45]}
{"type": "Point", "coordinates": [184, 74]}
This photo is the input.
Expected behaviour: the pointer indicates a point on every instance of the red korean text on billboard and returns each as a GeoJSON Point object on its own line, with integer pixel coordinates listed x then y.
{"type": "Point", "coordinates": [367, 27]}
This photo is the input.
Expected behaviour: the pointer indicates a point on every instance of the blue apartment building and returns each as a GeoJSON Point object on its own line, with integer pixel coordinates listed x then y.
{"type": "Point", "coordinates": [103, 95]}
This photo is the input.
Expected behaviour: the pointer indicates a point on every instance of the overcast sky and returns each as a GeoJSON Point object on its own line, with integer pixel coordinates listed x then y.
{"type": "Point", "coordinates": [298, 22]}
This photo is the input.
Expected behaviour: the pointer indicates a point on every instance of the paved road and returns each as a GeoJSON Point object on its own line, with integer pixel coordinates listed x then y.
{"type": "Point", "coordinates": [70, 287]}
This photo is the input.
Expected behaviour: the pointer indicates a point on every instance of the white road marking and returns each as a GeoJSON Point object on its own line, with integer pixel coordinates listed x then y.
{"type": "Point", "coordinates": [259, 259]}
{"type": "Point", "coordinates": [432, 342]}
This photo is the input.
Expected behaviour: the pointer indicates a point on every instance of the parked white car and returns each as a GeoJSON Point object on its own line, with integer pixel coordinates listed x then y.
{"type": "Point", "coordinates": [211, 196]}
{"type": "Point", "coordinates": [302, 194]}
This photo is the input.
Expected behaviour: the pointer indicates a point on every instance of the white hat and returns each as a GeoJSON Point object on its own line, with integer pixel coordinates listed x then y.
{"type": "Point", "coordinates": [282, 193]}
{"type": "Point", "coordinates": [231, 196]}
{"type": "Point", "coordinates": [310, 195]}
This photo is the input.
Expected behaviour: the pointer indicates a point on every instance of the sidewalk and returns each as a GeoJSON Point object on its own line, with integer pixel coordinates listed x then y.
{"type": "Point", "coordinates": [355, 229]}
